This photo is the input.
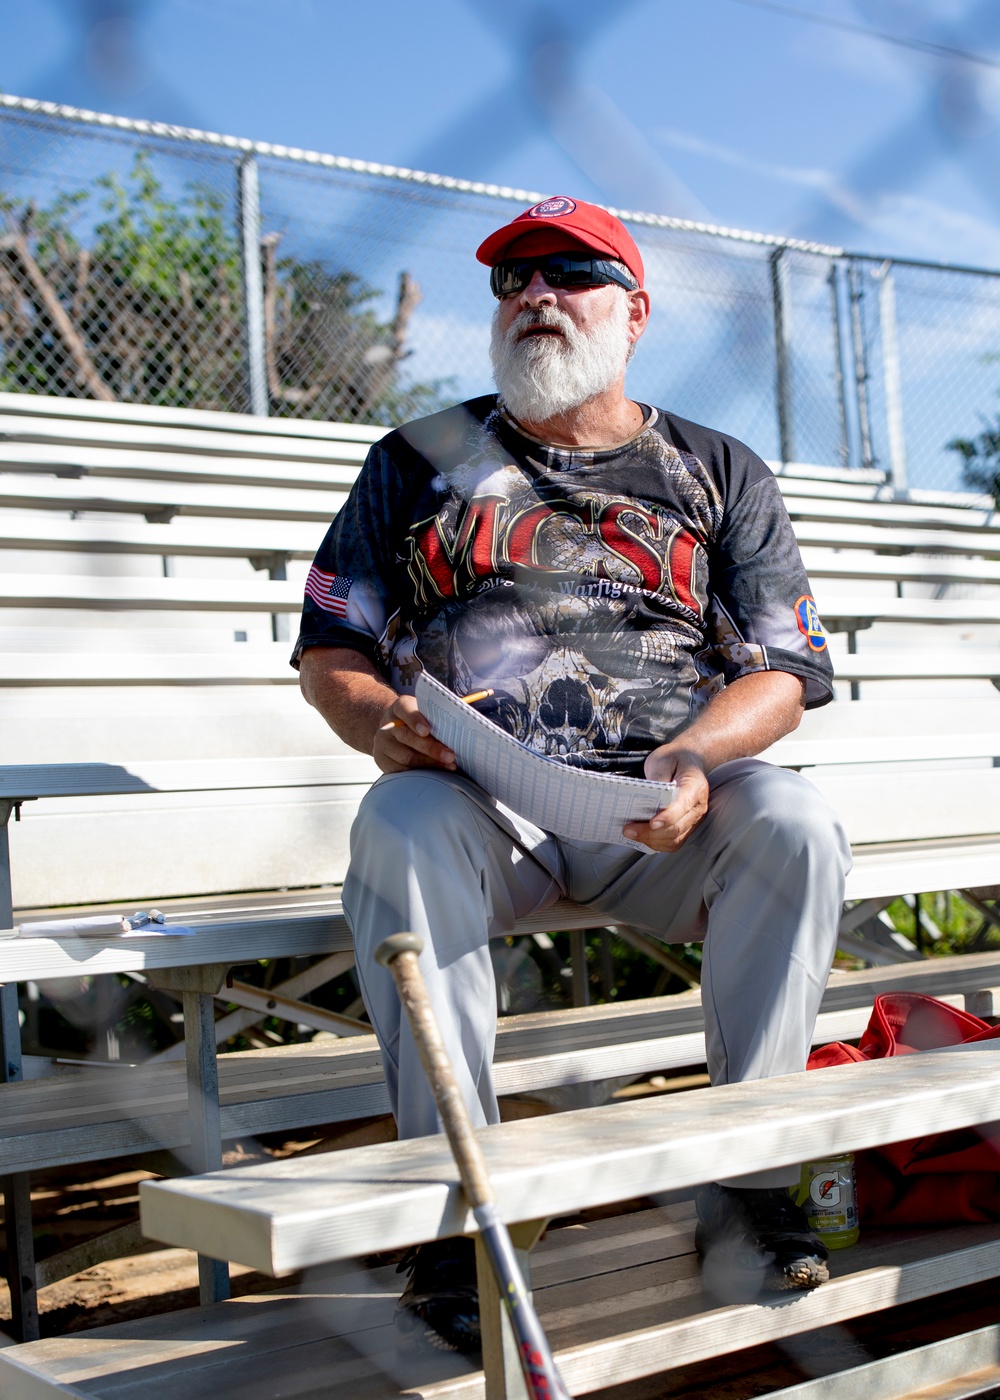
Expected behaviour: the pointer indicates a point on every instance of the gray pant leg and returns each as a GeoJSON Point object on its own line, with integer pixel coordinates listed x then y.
{"type": "Point", "coordinates": [774, 896]}
{"type": "Point", "coordinates": [429, 858]}
{"type": "Point", "coordinates": [762, 880]}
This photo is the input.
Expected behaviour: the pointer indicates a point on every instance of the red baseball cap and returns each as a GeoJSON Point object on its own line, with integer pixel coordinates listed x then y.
{"type": "Point", "coordinates": [571, 219]}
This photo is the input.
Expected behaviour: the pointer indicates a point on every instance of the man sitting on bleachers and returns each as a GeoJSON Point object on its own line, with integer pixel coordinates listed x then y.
{"type": "Point", "coordinates": [628, 587]}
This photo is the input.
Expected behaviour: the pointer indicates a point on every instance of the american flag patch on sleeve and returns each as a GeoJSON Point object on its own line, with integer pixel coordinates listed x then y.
{"type": "Point", "coordinates": [328, 591]}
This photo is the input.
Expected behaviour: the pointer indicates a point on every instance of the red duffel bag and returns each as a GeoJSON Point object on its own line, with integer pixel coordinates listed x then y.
{"type": "Point", "coordinates": [940, 1179]}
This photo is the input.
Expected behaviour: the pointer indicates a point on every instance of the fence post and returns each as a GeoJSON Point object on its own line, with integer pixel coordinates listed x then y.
{"type": "Point", "coordinates": [782, 347]}
{"type": "Point", "coordinates": [838, 352]}
{"type": "Point", "coordinates": [16, 1189]}
{"type": "Point", "coordinates": [860, 366]}
{"type": "Point", "coordinates": [248, 213]}
{"type": "Point", "coordinates": [891, 379]}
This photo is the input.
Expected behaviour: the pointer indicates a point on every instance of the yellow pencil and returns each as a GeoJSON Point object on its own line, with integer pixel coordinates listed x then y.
{"type": "Point", "coordinates": [468, 699]}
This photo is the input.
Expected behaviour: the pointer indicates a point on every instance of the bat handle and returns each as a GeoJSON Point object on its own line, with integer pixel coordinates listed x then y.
{"type": "Point", "coordinates": [399, 954]}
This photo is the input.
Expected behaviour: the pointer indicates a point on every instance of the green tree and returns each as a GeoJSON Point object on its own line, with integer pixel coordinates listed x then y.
{"type": "Point", "coordinates": [981, 455]}
{"type": "Point", "coordinates": [981, 460]}
{"type": "Point", "coordinates": [147, 308]}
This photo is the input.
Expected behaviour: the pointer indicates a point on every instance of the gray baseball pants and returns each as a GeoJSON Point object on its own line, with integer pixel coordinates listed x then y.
{"type": "Point", "coordinates": [761, 881]}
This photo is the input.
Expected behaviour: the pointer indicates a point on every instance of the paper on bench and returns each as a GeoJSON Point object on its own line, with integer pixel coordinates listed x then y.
{"type": "Point", "coordinates": [569, 802]}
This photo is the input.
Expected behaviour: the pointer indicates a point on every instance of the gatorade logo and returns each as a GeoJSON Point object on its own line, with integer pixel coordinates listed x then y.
{"type": "Point", "coordinates": [807, 618]}
{"type": "Point", "coordinates": [553, 208]}
{"type": "Point", "coordinates": [825, 1191]}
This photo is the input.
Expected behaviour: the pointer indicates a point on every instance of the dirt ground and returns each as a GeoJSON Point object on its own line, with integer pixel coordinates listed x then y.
{"type": "Point", "coordinates": [72, 1206]}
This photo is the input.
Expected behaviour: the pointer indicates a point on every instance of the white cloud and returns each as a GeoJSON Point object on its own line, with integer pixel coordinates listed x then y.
{"type": "Point", "coordinates": [805, 177]}
{"type": "Point", "coordinates": [891, 221]}
{"type": "Point", "coordinates": [688, 141]}
{"type": "Point", "coordinates": [923, 226]}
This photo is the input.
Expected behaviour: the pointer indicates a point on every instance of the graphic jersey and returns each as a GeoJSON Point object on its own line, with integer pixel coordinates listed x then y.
{"type": "Point", "coordinates": [603, 595]}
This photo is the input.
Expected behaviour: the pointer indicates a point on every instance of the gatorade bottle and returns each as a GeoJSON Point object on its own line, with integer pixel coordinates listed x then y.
{"type": "Point", "coordinates": [829, 1197]}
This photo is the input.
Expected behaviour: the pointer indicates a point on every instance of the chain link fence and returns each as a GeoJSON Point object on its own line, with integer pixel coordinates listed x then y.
{"type": "Point", "coordinates": [144, 264]}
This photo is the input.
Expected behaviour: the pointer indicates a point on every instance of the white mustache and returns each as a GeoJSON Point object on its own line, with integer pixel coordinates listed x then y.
{"type": "Point", "coordinates": [548, 317]}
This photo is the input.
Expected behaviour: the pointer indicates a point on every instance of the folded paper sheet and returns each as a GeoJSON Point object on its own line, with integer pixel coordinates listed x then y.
{"type": "Point", "coordinates": [569, 802]}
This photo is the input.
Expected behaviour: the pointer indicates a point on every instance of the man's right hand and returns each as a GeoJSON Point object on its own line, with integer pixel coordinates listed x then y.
{"type": "Point", "coordinates": [403, 740]}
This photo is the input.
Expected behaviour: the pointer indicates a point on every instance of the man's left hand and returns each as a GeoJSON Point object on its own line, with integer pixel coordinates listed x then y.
{"type": "Point", "coordinates": [669, 829]}
{"type": "Point", "coordinates": [746, 717]}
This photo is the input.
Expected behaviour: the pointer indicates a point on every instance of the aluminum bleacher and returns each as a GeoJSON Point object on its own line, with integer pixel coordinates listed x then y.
{"type": "Point", "coordinates": [154, 742]}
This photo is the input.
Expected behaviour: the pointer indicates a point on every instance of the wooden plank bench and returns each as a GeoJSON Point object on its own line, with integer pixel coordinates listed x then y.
{"type": "Point", "coordinates": [901, 839]}
{"type": "Point", "coordinates": [282, 827]}
{"type": "Point", "coordinates": [646, 1314]}
{"type": "Point", "coordinates": [127, 441]}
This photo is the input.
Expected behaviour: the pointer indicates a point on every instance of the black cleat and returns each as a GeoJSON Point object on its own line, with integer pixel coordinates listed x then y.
{"type": "Point", "coordinates": [440, 1303]}
{"type": "Point", "coordinates": [756, 1241]}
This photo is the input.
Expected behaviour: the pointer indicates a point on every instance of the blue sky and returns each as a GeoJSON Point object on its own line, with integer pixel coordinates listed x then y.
{"type": "Point", "coordinates": [736, 112]}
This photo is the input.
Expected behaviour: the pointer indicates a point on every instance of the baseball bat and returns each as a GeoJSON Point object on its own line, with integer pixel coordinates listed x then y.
{"type": "Point", "coordinates": [399, 954]}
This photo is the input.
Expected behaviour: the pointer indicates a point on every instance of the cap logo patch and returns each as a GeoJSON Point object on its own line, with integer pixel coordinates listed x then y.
{"type": "Point", "coordinates": [552, 208]}
{"type": "Point", "coordinates": [809, 624]}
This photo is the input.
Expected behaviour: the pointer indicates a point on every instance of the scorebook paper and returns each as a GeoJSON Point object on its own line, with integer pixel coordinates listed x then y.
{"type": "Point", "coordinates": [569, 802]}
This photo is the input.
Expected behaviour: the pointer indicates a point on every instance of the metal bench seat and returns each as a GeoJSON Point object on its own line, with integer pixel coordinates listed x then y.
{"type": "Point", "coordinates": [82, 1114]}
{"type": "Point", "coordinates": [324, 468]}
{"type": "Point", "coordinates": [267, 663]}
{"type": "Point", "coordinates": [141, 594]}
{"type": "Point", "coordinates": [163, 500]}
{"type": "Point", "coordinates": [634, 1276]}
{"type": "Point", "coordinates": [47, 531]}
{"type": "Point", "coordinates": [823, 500]}
{"type": "Point", "coordinates": [68, 410]}
{"type": "Point", "coordinates": [305, 1214]}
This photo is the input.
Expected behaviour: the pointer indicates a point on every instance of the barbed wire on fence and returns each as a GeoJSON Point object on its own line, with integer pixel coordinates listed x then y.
{"type": "Point", "coordinates": [146, 263]}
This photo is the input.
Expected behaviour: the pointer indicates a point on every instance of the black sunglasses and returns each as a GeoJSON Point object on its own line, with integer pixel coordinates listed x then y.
{"type": "Point", "coordinates": [559, 270]}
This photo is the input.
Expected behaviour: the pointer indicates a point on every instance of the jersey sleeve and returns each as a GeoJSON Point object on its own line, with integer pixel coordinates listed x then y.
{"type": "Point", "coordinates": [762, 616]}
{"type": "Point", "coordinates": [350, 595]}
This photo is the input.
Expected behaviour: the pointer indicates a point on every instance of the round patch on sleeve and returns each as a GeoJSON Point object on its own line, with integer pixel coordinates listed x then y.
{"type": "Point", "coordinates": [807, 618]}
{"type": "Point", "coordinates": [559, 204]}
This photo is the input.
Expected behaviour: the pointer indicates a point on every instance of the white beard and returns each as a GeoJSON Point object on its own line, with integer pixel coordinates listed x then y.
{"type": "Point", "coordinates": [543, 376]}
